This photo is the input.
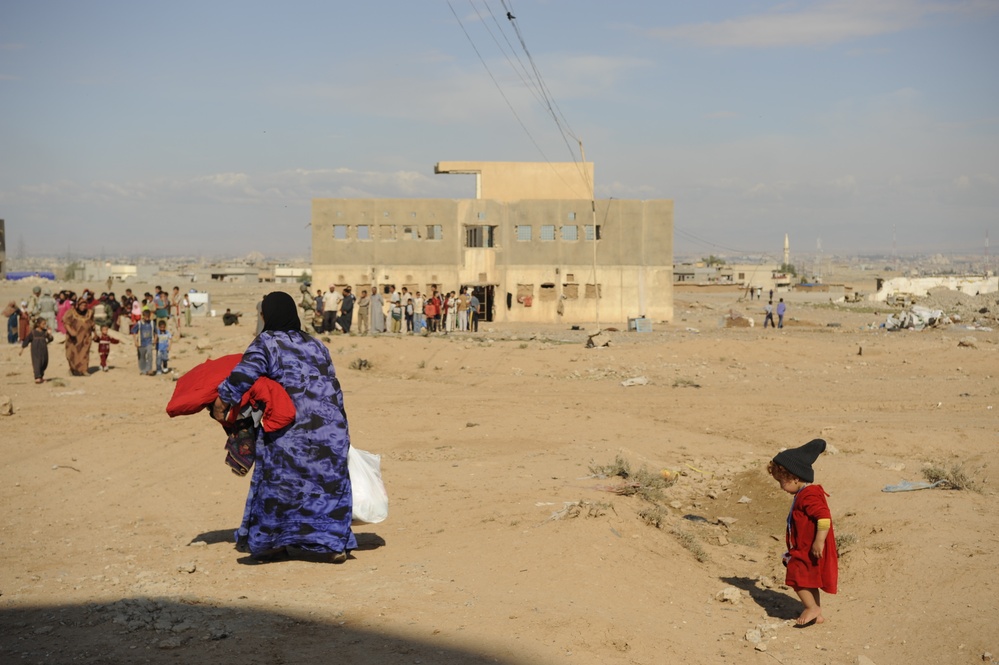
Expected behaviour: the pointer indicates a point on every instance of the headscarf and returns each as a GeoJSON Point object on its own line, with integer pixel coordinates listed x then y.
{"type": "Point", "coordinates": [280, 312]}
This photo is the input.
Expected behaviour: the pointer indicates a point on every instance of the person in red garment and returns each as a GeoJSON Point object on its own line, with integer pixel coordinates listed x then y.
{"type": "Point", "coordinates": [811, 558]}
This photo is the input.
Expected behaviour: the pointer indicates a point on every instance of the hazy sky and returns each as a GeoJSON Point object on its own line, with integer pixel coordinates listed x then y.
{"type": "Point", "coordinates": [208, 127]}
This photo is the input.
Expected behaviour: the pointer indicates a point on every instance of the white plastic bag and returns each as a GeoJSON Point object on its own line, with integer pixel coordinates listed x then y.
{"type": "Point", "coordinates": [370, 498]}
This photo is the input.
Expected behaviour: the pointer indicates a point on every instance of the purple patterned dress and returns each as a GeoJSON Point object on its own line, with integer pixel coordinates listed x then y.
{"type": "Point", "coordinates": [300, 492]}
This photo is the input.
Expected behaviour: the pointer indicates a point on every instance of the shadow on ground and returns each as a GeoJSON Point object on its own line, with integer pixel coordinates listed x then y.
{"type": "Point", "coordinates": [150, 630]}
{"type": "Point", "coordinates": [776, 604]}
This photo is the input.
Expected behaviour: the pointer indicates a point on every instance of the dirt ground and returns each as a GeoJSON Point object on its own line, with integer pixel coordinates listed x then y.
{"type": "Point", "coordinates": [501, 545]}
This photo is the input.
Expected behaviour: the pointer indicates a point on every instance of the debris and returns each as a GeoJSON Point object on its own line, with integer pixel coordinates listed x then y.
{"type": "Point", "coordinates": [726, 521]}
{"type": "Point", "coordinates": [745, 499]}
{"type": "Point", "coordinates": [6, 406]}
{"type": "Point", "coordinates": [598, 339]}
{"type": "Point", "coordinates": [64, 466]}
{"type": "Point", "coordinates": [471, 424]}
{"type": "Point", "coordinates": [909, 486]}
{"type": "Point", "coordinates": [968, 342]}
{"type": "Point", "coordinates": [916, 318]}
{"type": "Point", "coordinates": [737, 319]}
{"type": "Point", "coordinates": [188, 567]}
{"type": "Point", "coordinates": [753, 635]}
{"type": "Point", "coordinates": [636, 381]}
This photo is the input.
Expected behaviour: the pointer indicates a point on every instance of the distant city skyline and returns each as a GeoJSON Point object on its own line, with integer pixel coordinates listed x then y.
{"type": "Point", "coordinates": [207, 128]}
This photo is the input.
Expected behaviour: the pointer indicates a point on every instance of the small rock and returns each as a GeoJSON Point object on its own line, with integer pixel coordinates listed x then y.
{"type": "Point", "coordinates": [6, 406]}
{"type": "Point", "coordinates": [968, 342]}
{"type": "Point", "coordinates": [745, 499]}
{"type": "Point", "coordinates": [44, 630]}
{"type": "Point", "coordinates": [864, 660]}
{"type": "Point", "coordinates": [753, 636]}
{"type": "Point", "coordinates": [711, 494]}
{"type": "Point", "coordinates": [761, 646]}
{"type": "Point", "coordinates": [722, 540]}
{"type": "Point", "coordinates": [203, 344]}
{"type": "Point", "coordinates": [636, 381]}
{"type": "Point", "coordinates": [471, 424]}
{"type": "Point", "coordinates": [729, 595]}
{"type": "Point", "coordinates": [677, 505]}
{"type": "Point", "coordinates": [170, 643]}
{"type": "Point", "coordinates": [727, 521]}
{"type": "Point", "coordinates": [198, 543]}
{"type": "Point", "coordinates": [189, 567]}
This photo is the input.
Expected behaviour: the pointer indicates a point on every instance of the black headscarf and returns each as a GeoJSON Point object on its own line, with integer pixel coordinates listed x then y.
{"type": "Point", "coordinates": [280, 312]}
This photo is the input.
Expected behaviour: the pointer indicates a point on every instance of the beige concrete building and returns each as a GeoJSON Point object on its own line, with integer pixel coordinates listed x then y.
{"type": "Point", "coordinates": [533, 245]}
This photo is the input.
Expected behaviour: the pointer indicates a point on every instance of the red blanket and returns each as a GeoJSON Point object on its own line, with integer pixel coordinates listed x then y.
{"type": "Point", "coordinates": [199, 388]}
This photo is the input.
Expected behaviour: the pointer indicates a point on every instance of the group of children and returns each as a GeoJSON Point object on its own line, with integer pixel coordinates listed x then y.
{"type": "Point", "coordinates": [152, 343]}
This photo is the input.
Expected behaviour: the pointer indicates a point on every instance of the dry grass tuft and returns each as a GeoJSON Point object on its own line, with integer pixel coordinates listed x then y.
{"type": "Point", "coordinates": [690, 543]}
{"type": "Point", "coordinates": [955, 477]}
{"type": "Point", "coordinates": [360, 364]}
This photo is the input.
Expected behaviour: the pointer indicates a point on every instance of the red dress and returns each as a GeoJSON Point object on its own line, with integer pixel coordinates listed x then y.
{"type": "Point", "coordinates": [803, 570]}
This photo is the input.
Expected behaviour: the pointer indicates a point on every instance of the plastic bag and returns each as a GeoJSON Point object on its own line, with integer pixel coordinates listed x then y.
{"type": "Point", "coordinates": [369, 496]}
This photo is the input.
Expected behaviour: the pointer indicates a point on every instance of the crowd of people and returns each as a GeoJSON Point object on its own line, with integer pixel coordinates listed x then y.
{"type": "Point", "coordinates": [88, 317]}
{"type": "Point", "coordinates": [391, 310]}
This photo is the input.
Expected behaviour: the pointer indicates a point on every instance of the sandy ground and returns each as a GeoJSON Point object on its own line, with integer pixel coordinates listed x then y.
{"type": "Point", "coordinates": [501, 546]}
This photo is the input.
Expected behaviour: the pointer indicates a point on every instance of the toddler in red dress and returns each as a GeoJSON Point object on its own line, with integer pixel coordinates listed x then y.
{"type": "Point", "coordinates": [811, 558]}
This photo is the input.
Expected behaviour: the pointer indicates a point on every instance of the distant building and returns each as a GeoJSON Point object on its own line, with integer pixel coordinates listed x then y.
{"type": "Point", "coordinates": [532, 245]}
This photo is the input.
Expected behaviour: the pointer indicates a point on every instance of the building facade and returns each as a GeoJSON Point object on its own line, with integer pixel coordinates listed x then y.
{"type": "Point", "coordinates": [533, 246]}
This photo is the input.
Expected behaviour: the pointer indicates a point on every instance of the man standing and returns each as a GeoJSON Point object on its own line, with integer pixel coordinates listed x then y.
{"type": "Point", "coordinates": [346, 309]}
{"type": "Point", "coordinates": [331, 308]}
{"type": "Point", "coordinates": [768, 319]}
{"type": "Point", "coordinates": [473, 313]}
{"type": "Point", "coordinates": [781, 308]}
{"type": "Point", "coordinates": [363, 312]}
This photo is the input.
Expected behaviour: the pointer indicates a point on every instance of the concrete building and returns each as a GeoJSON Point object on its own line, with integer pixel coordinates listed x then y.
{"type": "Point", "coordinates": [533, 245]}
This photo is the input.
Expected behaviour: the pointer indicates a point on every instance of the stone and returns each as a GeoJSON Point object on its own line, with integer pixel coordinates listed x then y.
{"type": "Point", "coordinates": [727, 521]}
{"type": "Point", "coordinates": [753, 636]}
{"type": "Point", "coordinates": [729, 594]}
{"type": "Point", "coordinates": [6, 406]}
{"type": "Point", "coordinates": [864, 660]}
{"type": "Point", "coordinates": [188, 567]}
{"type": "Point", "coordinates": [761, 646]}
{"type": "Point", "coordinates": [745, 499]}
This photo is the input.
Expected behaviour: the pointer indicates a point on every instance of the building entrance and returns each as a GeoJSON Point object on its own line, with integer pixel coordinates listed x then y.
{"type": "Point", "coordinates": [485, 293]}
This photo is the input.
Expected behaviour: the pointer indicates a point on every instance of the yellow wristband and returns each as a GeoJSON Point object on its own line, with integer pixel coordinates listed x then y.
{"type": "Point", "coordinates": [824, 524]}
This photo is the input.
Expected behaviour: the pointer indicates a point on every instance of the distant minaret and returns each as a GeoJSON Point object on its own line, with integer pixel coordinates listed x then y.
{"type": "Point", "coordinates": [787, 251]}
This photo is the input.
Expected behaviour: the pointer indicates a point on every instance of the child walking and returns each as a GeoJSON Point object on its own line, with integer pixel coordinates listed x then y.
{"type": "Point", "coordinates": [163, 347]}
{"type": "Point", "coordinates": [811, 558]}
{"type": "Point", "coordinates": [145, 343]}
{"type": "Point", "coordinates": [38, 339]}
{"type": "Point", "coordinates": [104, 343]}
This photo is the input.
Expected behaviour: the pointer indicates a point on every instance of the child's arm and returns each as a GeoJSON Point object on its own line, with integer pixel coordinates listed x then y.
{"type": "Point", "coordinates": [822, 530]}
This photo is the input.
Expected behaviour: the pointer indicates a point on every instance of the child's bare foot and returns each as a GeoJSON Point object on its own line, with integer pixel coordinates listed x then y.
{"type": "Point", "coordinates": [809, 616]}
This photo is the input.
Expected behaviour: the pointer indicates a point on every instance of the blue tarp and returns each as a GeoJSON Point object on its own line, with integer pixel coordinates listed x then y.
{"type": "Point", "coordinates": [22, 274]}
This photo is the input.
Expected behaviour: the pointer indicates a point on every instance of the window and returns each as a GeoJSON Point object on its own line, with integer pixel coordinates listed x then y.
{"type": "Point", "coordinates": [572, 216]}
{"type": "Point", "coordinates": [570, 291]}
{"type": "Point", "coordinates": [435, 232]}
{"type": "Point", "coordinates": [547, 293]}
{"type": "Point", "coordinates": [589, 232]}
{"type": "Point", "coordinates": [570, 232]}
{"type": "Point", "coordinates": [340, 231]}
{"type": "Point", "coordinates": [524, 232]}
{"type": "Point", "coordinates": [548, 232]}
{"type": "Point", "coordinates": [592, 290]}
{"type": "Point", "coordinates": [482, 215]}
{"type": "Point", "coordinates": [409, 233]}
{"type": "Point", "coordinates": [479, 236]}
{"type": "Point", "coordinates": [363, 232]}
{"type": "Point", "coordinates": [386, 232]}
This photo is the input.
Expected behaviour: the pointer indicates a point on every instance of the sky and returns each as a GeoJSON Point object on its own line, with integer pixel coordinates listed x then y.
{"type": "Point", "coordinates": [206, 128]}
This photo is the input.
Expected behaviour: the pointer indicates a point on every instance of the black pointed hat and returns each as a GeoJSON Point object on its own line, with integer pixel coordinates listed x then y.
{"type": "Point", "coordinates": [799, 460]}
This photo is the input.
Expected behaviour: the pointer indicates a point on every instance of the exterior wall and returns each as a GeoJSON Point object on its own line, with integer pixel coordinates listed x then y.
{"type": "Point", "coordinates": [513, 181]}
{"type": "Point", "coordinates": [631, 262]}
{"type": "Point", "coordinates": [920, 286]}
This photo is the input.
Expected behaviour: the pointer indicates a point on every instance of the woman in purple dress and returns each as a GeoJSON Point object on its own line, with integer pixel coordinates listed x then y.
{"type": "Point", "coordinates": [299, 503]}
